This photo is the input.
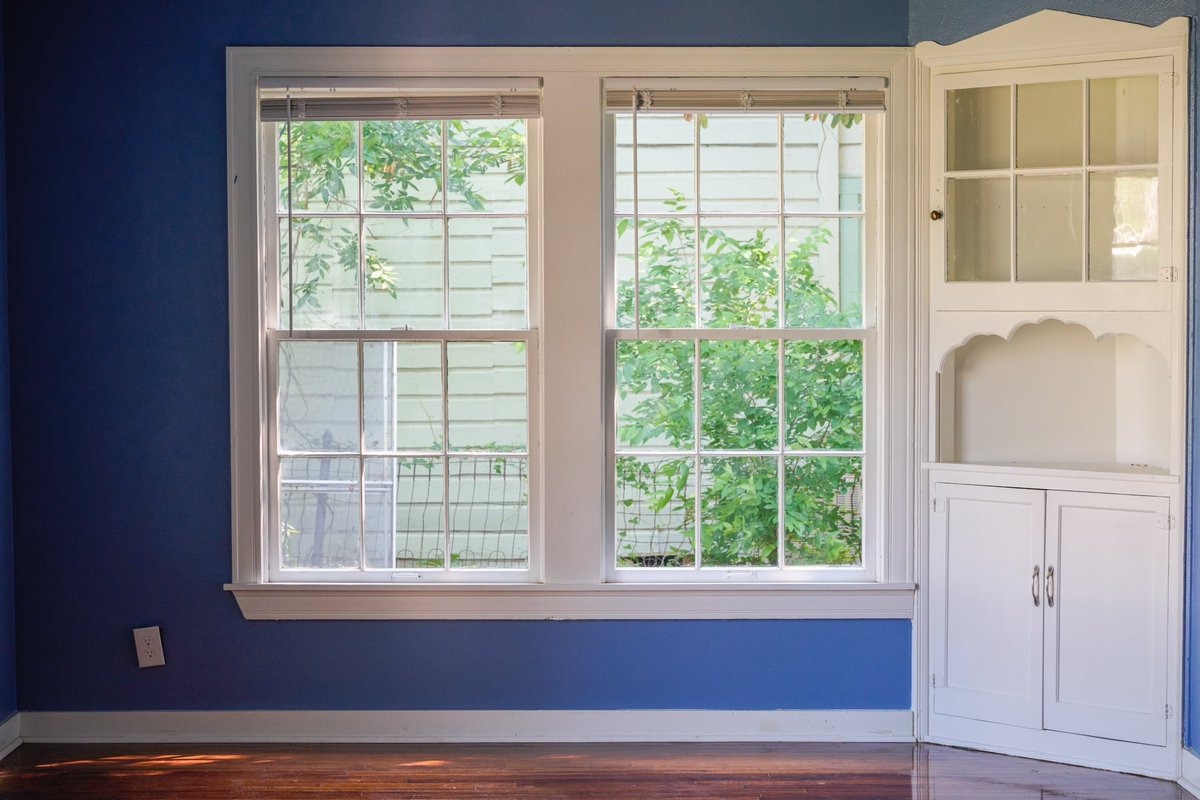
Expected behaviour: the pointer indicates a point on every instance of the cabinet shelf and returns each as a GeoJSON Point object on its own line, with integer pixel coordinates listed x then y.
{"type": "Point", "coordinates": [1131, 472]}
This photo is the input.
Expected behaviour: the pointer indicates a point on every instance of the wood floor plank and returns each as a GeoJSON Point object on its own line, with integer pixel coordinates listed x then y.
{"type": "Point", "coordinates": [423, 772]}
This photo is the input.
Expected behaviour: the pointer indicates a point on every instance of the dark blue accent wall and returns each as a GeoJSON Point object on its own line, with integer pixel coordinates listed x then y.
{"type": "Point", "coordinates": [117, 256]}
{"type": "Point", "coordinates": [947, 21]}
{"type": "Point", "coordinates": [8, 642]}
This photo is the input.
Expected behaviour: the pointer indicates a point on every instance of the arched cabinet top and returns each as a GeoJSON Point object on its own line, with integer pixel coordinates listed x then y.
{"type": "Point", "coordinates": [1057, 34]}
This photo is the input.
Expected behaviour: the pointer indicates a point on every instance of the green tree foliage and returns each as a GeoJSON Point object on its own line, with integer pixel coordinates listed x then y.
{"type": "Point", "coordinates": [402, 166]}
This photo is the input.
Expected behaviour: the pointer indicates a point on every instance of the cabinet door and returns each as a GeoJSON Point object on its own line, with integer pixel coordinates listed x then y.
{"type": "Point", "coordinates": [1106, 615]}
{"type": "Point", "coordinates": [985, 603]}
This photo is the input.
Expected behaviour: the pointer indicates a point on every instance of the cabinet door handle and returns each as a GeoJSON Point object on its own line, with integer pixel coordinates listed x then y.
{"type": "Point", "coordinates": [1037, 571]}
{"type": "Point", "coordinates": [1050, 586]}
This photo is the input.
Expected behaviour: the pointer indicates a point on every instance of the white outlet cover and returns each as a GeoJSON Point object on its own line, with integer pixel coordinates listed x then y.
{"type": "Point", "coordinates": [148, 642]}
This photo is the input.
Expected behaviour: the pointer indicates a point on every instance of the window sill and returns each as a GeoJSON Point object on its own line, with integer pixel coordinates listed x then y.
{"type": "Point", "coordinates": [565, 601]}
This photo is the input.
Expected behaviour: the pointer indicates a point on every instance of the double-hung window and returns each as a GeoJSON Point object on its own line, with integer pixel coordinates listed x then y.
{"type": "Point", "coordinates": [742, 329]}
{"type": "Point", "coordinates": [553, 332]}
{"type": "Point", "coordinates": [402, 355]}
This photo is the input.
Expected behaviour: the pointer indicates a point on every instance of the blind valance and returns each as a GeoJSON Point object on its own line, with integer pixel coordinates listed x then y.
{"type": "Point", "coordinates": [417, 99]}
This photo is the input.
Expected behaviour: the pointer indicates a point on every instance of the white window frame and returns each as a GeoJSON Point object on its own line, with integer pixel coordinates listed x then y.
{"type": "Point", "coordinates": [570, 579]}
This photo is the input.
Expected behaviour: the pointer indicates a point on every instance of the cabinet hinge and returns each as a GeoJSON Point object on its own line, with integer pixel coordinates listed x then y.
{"type": "Point", "coordinates": [937, 505]}
{"type": "Point", "coordinates": [1168, 274]}
{"type": "Point", "coordinates": [1165, 522]}
{"type": "Point", "coordinates": [1167, 711]}
{"type": "Point", "coordinates": [933, 680]}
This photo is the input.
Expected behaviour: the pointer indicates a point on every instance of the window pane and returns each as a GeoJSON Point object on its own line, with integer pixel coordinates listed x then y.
{"type": "Point", "coordinates": [1050, 124]}
{"type": "Point", "coordinates": [979, 229]}
{"type": "Point", "coordinates": [739, 272]}
{"type": "Point", "coordinates": [655, 512]}
{"type": "Point", "coordinates": [324, 166]}
{"type": "Point", "coordinates": [1123, 226]}
{"type": "Point", "coordinates": [655, 394]}
{"type": "Point", "coordinates": [823, 511]}
{"type": "Point", "coordinates": [404, 273]}
{"type": "Point", "coordinates": [402, 162]}
{"type": "Point", "coordinates": [489, 513]}
{"type": "Point", "coordinates": [824, 394]}
{"type": "Point", "coordinates": [738, 395]}
{"type": "Point", "coordinates": [823, 160]}
{"type": "Point", "coordinates": [404, 510]}
{"type": "Point", "coordinates": [978, 127]}
{"type": "Point", "coordinates": [402, 404]}
{"type": "Point", "coordinates": [487, 273]}
{"type": "Point", "coordinates": [668, 273]}
{"type": "Point", "coordinates": [325, 289]}
{"type": "Point", "coordinates": [488, 409]}
{"type": "Point", "coordinates": [1124, 120]}
{"type": "Point", "coordinates": [739, 519]}
{"type": "Point", "coordinates": [318, 396]}
{"type": "Point", "coordinates": [824, 272]}
{"type": "Point", "coordinates": [666, 163]}
{"type": "Point", "coordinates": [319, 513]}
{"type": "Point", "coordinates": [739, 163]}
{"type": "Point", "coordinates": [486, 165]}
{"type": "Point", "coordinates": [1050, 228]}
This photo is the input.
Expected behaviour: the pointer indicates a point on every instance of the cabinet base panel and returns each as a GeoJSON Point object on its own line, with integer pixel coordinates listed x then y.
{"type": "Point", "coordinates": [1065, 748]}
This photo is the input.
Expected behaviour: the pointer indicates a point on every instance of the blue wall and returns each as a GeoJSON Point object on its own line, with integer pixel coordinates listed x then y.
{"type": "Point", "coordinates": [120, 386]}
{"type": "Point", "coordinates": [944, 21]}
{"type": "Point", "coordinates": [8, 643]}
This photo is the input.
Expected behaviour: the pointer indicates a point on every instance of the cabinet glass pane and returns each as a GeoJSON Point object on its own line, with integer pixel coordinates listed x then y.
{"type": "Point", "coordinates": [978, 229]}
{"type": "Point", "coordinates": [977, 128]}
{"type": "Point", "coordinates": [1123, 226]}
{"type": "Point", "coordinates": [1124, 120]}
{"type": "Point", "coordinates": [1050, 124]}
{"type": "Point", "coordinates": [1050, 228]}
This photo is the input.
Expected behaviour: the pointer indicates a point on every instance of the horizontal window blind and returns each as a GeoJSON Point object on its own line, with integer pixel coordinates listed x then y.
{"type": "Point", "coordinates": [345, 104]}
{"type": "Point", "coordinates": [772, 100]}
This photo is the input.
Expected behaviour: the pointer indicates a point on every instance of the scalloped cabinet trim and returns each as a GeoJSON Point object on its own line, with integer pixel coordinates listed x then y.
{"type": "Point", "coordinates": [955, 329]}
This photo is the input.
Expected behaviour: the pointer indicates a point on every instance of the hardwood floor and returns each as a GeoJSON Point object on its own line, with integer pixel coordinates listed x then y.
{"type": "Point", "coordinates": [725, 771]}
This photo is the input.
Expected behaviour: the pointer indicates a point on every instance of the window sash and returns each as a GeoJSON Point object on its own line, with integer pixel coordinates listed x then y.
{"type": "Point", "coordinates": [874, 494]}
{"type": "Point", "coordinates": [273, 334]}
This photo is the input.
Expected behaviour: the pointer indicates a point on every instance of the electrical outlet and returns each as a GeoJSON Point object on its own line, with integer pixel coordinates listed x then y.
{"type": "Point", "coordinates": [149, 647]}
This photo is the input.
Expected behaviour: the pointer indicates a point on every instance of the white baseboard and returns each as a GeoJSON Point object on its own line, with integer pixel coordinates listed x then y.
{"type": "Point", "coordinates": [467, 726]}
{"type": "Point", "coordinates": [10, 734]}
{"type": "Point", "coordinates": [1189, 768]}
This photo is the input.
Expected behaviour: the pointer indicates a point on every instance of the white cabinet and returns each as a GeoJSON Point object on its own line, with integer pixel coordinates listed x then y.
{"type": "Point", "coordinates": [1105, 615]}
{"type": "Point", "coordinates": [1049, 609]}
{"type": "Point", "coordinates": [986, 649]}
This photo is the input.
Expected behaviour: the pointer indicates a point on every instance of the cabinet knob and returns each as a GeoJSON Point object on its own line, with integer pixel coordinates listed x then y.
{"type": "Point", "coordinates": [935, 215]}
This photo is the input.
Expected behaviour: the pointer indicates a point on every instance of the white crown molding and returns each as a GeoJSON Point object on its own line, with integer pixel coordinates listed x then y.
{"type": "Point", "coordinates": [1057, 34]}
{"type": "Point", "coordinates": [467, 726]}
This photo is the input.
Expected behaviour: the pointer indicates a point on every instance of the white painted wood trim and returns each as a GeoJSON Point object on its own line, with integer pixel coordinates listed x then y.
{"type": "Point", "coordinates": [1065, 748]}
{"type": "Point", "coordinates": [603, 601]}
{"type": "Point", "coordinates": [1056, 35]}
{"type": "Point", "coordinates": [1189, 772]}
{"type": "Point", "coordinates": [10, 735]}
{"type": "Point", "coordinates": [467, 726]}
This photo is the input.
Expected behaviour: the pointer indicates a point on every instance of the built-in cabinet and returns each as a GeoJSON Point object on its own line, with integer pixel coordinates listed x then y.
{"type": "Point", "coordinates": [1049, 609]}
{"type": "Point", "coordinates": [1055, 248]}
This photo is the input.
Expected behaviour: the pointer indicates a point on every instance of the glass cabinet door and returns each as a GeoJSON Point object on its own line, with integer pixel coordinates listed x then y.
{"type": "Point", "coordinates": [1052, 181]}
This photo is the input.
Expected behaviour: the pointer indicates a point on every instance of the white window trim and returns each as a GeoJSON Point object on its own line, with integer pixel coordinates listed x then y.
{"type": "Point", "coordinates": [572, 429]}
